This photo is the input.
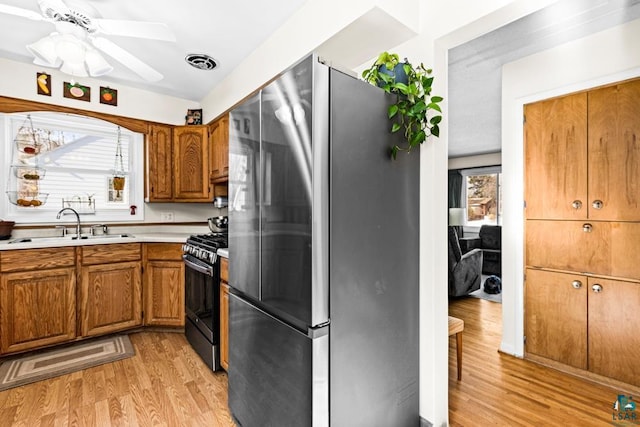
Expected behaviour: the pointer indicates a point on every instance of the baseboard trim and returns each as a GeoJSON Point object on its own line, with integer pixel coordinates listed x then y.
{"type": "Point", "coordinates": [425, 423]}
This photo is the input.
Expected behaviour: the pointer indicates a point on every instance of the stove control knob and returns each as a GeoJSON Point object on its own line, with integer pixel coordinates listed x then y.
{"type": "Point", "coordinates": [212, 257]}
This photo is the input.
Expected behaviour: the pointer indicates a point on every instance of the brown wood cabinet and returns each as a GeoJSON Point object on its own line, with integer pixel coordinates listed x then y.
{"type": "Point", "coordinates": [224, 314]}
{"type": "Point", "coordinates": [163, 287]}
{"type": "Point", "coordinates": [585, 322]}
{"type": "Point", "coordinates": [219, 131]}
{"type": "Point", "coordinates": [191, 164]}
{"type": "Point", "coordinates": [110, 295]}
{"type": "Point", "coordinates": [597, 247]}
{"type": "Point", "coordinates": [582, 192]}
{"type": "Point", "coordinates": [582, 157]}
{"type": "Point", "coordinates": [37, 298]}
{"type": "Point", "coordinates": [160, 163]}
{"type": "Point", "coordinates": [613, 328]}
{"type": "Point", "coordinates": [556, 311]}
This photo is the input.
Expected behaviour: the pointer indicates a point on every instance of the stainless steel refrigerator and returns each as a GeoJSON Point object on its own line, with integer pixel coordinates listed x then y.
{"type": "Point", "coordinates": [323, 256]}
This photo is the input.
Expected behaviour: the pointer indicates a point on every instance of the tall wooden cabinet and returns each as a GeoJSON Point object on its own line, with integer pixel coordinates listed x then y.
{"type": "Point", "coordinates": [37, 298]}
{"type": "Point", "coordinates": [191, 164]}
{"type": "Point", "coordinates": [219, 132]}
{"type": "Point", "coordinates": [160, 163]}
{"type": "Point", "coordinates": [110, 295]}
{"type": "Point", "coordinates": [163, 284]}
{"type": "Point", "coordinates": [582, 193]}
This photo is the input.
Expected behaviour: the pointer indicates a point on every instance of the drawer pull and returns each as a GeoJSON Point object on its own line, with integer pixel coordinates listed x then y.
{"type": "Point", "coordinates": [577, 284]}
{"type": "Point", "coordinates": [597, 204]}
{"type": "Point", "coordinates": [577, 204]}
{"type": "Point", "coordinates": [587, 228]}
{"type": "Point", "coordinates": [597, 288]}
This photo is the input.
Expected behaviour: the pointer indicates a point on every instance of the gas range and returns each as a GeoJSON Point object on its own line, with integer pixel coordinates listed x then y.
{"type": "Point", "coordinates": [205, 246]}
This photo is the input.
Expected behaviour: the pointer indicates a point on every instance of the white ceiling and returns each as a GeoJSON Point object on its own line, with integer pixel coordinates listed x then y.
{"type": "Point", "coordinates": [226, 30]}
{"type": "Point", "coordinates": [475, 68]}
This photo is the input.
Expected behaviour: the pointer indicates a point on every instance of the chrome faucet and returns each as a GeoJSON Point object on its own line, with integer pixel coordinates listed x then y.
{"type": "Point", "coordinates": [77, 219]}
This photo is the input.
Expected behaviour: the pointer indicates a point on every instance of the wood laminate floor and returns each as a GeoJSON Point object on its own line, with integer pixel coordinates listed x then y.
{"type": "Point", "coordinates": [502, 390]}
{"type": "Point", "coordinates": [164, 384]}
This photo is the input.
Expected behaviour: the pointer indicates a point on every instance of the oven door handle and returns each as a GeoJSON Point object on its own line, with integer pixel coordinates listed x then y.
{"type": "Point", "coordinates": [201, 268]}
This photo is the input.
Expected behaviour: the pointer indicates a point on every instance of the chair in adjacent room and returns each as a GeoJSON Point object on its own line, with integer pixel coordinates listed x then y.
{"type": "Point", "coordinates": [456, 326]}
{"type": "Point", "coordinates": [465, 271]}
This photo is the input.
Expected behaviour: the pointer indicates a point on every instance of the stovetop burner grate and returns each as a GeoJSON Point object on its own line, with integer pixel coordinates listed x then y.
{"type": "Point", "coordinates": [211, 240]}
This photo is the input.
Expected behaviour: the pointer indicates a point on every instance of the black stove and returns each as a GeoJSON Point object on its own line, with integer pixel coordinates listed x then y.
{"type": "Point", "coordinates": [202, 294]}
{"type": "Point", "coordinates": [205, 246]}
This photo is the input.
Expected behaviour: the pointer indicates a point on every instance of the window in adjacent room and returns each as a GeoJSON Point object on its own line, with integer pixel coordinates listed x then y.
{"type": "Point", "coordinates": [483, 196]}
{"type": "Point", "coordinates": [55, 160]}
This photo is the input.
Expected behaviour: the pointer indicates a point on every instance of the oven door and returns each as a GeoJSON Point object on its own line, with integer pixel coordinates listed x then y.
{"type": "Point", "coordinates": [202, 282]}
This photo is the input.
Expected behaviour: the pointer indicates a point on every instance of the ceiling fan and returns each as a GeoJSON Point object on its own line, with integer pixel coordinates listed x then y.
{"type": "Point", "coordinates": [75, 43]}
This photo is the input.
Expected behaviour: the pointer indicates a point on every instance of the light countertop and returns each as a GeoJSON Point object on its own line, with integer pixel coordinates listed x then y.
{"type": "Point", "coordinates": [155, 237]}
{"type": "Point", "coordinates": [223, 252]}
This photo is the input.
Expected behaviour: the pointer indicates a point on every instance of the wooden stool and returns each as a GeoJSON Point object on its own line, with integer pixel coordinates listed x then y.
{"type": "Point", "coordinates": [456, 326]}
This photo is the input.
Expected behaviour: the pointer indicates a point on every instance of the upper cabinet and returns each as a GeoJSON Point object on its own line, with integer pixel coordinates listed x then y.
{"type": "Point", "coordinates": [582, 156]}
{"type": "Point", "coordinates": [556, 158]}
{"type": "Point", "coordinates": [191, 164]}
{"type": "Point", "coordinates": [614, 152]}
{"type": "Point", "coordinates": [179, 163]}
{"type": "Point", "coordinates": [219, 132]}
{"type": "Point", "coordinates": [160, 163]}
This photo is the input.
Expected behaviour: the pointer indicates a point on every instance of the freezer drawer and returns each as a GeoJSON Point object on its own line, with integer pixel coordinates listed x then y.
{"type": "Point", "coordinates": [278, 376]}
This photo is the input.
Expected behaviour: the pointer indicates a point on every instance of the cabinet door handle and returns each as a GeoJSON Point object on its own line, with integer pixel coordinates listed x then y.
{"type": "Point", "coordinates": [597, 288]}
{"type": "Point", "coordinates": [577, 204]}
{"type": "Point", "coordinates": [597, 204]}
{"type": "Point", "coordinates": [577, 284]}
{"type": "Point", "coordinates": [587, 228]}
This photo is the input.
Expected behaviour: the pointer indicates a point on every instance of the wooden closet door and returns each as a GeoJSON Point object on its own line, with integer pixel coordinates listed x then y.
{"type": "Point", "coordinates": [556, 316]}
{"type": "Point", "coordinates": [613, 329]}
{"type": "Point", "coordinates": [555, 133]}
{"type": "Point", "coordinates": [614, 152]}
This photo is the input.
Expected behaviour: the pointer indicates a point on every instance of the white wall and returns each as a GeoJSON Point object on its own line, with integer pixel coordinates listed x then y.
{"type": "Point", "coordinates": [18, 80]}
{"type": "Point", "coordinates": [314, 24]}
{"type": "Point", "coordinates": [609, 56]}
{"type": "Point", "coordinates": [475, 161]}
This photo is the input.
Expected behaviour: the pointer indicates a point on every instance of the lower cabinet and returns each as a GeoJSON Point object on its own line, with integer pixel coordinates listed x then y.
{"type": "Point", "coordinates": [54, 295]}
{"type": "Point", "coordinates": [163, 288]}
{"type": "Point", "coordinates": [586, 322]}
{"type": "Point", "coordinates": [224, 314]}
{"type": "Point", "coordinates": [110, 295]}
{"type": "Point", "coordinates": [37, 298]}
{"type": "Point", "coordinates": [38, 309]}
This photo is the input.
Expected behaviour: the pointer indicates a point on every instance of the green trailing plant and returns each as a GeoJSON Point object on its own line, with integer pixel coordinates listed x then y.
{"type": "Point", "coordinates": [415, 111]}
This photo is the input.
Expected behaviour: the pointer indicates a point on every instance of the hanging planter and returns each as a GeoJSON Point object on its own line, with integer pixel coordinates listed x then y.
{"type": "Point", "coordinates": [119, 173]}
{"type": "Point", "coordinates": [414, 111]}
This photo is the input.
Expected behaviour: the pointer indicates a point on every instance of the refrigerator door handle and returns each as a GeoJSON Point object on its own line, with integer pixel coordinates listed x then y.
{"type": "Point", "coordinates": [318, 331]}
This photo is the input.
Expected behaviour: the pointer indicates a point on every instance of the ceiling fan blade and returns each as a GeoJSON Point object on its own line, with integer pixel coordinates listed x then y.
{"type": "Point", "coordinates": [53, 8]}
{"type": "Point", "coordinates": [18, 11]}
{"type": "Point", "coordinates": [126, 59]}
{"type": "Point", "coordinates": [145, 30]}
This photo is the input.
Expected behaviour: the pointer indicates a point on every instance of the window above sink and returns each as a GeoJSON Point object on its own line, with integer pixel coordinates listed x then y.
{"type": "Point", "coordinates": [69, 161]}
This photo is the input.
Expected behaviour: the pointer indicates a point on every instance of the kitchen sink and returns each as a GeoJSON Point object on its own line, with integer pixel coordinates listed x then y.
{"type": "Point", "coordinates": [70, 238]}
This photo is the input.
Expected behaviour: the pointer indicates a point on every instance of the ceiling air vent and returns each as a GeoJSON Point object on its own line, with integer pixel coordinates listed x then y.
{"type": "Point", "coordinates": [201, 61]}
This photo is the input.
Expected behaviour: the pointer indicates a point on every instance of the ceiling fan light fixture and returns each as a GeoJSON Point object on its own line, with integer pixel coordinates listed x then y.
{"type": "Point", "coordinates": [44, 50]}
{"type": "Point", "coordinates": [75, 69]}
{"type": "Point", "coordinates": [96, 63]}
{"type": "Point", "coordinates": [70, 49]}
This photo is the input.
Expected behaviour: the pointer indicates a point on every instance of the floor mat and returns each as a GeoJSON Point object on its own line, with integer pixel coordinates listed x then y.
{"type": "Point", "coordinates": [36, 366]}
